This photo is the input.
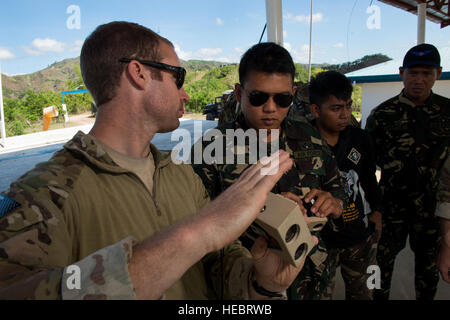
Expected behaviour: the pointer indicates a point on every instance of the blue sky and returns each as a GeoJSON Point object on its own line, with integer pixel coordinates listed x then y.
{"type": "Point", "coordinates": [34, 34]}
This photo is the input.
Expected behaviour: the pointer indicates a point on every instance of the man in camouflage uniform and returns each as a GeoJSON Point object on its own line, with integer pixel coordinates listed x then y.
{"type": "Point", "coordinates": [266, 74]}
{"type": "Point", "coordinates": [443, 212]}
{"type": "Point", "coordinates": [110, 217]}
{"type": "Point", "coordinates": [411, 135]}
{"type": "Point", "coordinates": [230, 108]}
{"type": "Point", "coordinates": [302, 109]}
{"type": "Point", "coordinates": [353, 248]}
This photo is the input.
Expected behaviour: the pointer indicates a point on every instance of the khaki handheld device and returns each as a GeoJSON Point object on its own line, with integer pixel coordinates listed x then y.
{"type": "Point", "coordinates": [282, 224]}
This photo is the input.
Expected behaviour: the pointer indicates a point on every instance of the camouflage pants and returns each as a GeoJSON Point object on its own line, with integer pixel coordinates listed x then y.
{"type": "Point", "coordinates": [354, 262]}
{"type": "Point", "coordinates": [313, 279]}
{"type": "Point", "coordinates": [422, 227]}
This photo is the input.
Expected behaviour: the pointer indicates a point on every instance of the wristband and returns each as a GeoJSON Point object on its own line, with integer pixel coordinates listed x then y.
{"type": "Point", "coordinates": [260, 290]}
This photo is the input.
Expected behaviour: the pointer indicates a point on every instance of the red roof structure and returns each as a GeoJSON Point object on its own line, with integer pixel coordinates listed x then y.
{"type": "Point", "coordinates": [437, 10]}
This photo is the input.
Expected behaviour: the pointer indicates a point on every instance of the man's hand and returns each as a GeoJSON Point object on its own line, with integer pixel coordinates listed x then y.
{"type": "Point", "coordinates": [443, 263]}
{"type": "Point", "coordinates": [298, 200]}
{"type": "Point", "coordinates": [325, 204]}
{"type": "Point", "coordinates": [161, 260]}
{"type": "Point", "coordinates": [295, 198]}
{"type": "Point", "coordinates": [230, 214]}
{"type": "Point", "coordinates": [271, 271]}
{"type": "Point", "coordinates": [375, 217]}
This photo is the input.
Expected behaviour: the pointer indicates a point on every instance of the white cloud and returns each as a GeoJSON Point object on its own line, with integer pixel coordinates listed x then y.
{"type": "Point", "coordinates": [6, 54]}
{"type": "Point", "coordinates": [301, 54]}
{"type": "Point", "coordinates": [47, 45]}
{"type": "Point", "coordinates": [223, 59]}
{"type": "Point", "coordinates": [41, 46]}
{"type": "Point", "coordinates": [285, 34]}
{"type": "Point", "coordinates": [316, 17]}
{"type": "Point", "coordinates": [32, 52]}
{"type": "Point", "coordinates": [76, 46]}
{"type": "Point", "coordinates": [287, 46]}
{"type": "Point", "coordinates": [183, 55]}
{"type": "Point", "coordinates": [201, 54]}
{"type": "Point", "coordinates": [338, 45]}
{"type": "Point", "coordinates": [208, 53]}
{"type": "Point", "coordinates": [219, 22]}
{"type": "Point", "coordinates": [239, 50]}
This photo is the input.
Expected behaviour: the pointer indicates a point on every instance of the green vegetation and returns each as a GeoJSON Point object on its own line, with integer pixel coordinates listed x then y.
{"type": "Point", "coordinates": [364, 62]}
{"type": "Point", "coordinates": [24, 102]}
{"type": "Point", "coordinates": [357, 100]}
{"type": "Point", "coordinates": [24, 113]}
{"type": "Point", "coordinates": [301, 72]}
{"type": "Point", "coordinates": [202, 87]}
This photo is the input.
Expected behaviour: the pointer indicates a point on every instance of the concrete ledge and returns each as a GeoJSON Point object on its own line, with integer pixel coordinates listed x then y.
{"type": "Point", "coordinates": [43, 138]}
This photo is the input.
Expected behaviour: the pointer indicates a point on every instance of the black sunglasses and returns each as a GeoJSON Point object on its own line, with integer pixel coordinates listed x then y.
{"type": "Point", "coordinates": [180, 71]}
{"type": "Point", "coordinates": [258, 98]}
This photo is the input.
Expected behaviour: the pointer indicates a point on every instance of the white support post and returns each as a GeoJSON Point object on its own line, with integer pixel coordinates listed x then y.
{"type": "Point", "coordinates": [274, 16]}
{"type": "Point", "coordinates": [421, 22]}
{"type": "Point", "coordinates": [2, 115]}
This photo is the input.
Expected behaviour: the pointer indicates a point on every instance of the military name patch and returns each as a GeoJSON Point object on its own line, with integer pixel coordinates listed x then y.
{"type": "Point", "coordinates": [307, 154]}
{"type": "Point", "coordinates": [354, 156]}
{"type": "Point", "coordinates": [7, 205]}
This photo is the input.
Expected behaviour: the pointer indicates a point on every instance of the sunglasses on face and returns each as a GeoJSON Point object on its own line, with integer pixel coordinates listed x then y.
{"type": "Point", "coordinates": [258, 98]}
{"type": "Point", "coordinates": [179, 71]}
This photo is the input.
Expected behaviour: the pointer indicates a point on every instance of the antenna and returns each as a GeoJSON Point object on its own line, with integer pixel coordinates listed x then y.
{"type": "Point", "coordinates": [262, 34]}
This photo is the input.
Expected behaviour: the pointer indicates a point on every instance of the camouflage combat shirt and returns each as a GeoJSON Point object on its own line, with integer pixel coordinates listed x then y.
{"type": "Point", "coordinates": [81, 209]}
{"type": "Point", "coordinates": [314, 166]}
{"type": "Point", "coordinates": [443, 195]}
{"type": "Point", "coordinates": [411, 144]}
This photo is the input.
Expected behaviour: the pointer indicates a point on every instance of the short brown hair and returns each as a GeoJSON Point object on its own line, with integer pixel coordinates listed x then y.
{"type": "Point", "coordinates": [99, 60]}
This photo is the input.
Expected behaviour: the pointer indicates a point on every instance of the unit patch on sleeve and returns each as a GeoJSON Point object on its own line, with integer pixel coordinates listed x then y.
{"type": "Point", "coordinates": [354, 156]}
{"type": "Point", "coordinates": [7, 205]}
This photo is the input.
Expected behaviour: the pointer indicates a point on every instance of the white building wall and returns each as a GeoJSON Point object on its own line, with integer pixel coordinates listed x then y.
{"type": "Point", "coordinates": [375, 93]}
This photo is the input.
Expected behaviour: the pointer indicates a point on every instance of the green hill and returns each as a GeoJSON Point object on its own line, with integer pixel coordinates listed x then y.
{"type": "Point", "coordinates": [53, 78]}
{"type": "Point", "coordinates": [26, 95]}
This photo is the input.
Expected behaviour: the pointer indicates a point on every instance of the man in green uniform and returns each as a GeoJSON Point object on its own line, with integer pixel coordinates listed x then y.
{"type": "Point", "coordinates": [411, 137]}
{"type": "Point", "coordinates": [265, 93]}
{"type": "Point", "coordinates": [111, 217]}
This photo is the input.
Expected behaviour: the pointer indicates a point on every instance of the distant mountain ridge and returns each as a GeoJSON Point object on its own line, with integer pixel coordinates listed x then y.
{"type": "Point", "coordinates": [52, 78]}
{"type": "Point", "coordinates": [55, 77]}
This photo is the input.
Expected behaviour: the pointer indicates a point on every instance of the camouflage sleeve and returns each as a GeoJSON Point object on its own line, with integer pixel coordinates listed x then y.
{"type": "Point", "coordinates": [200, 191]}
{"type": "Point", "coordinates": [372, 128]}
{"type": "Point", "coordinates": [102, 275]}
{"type": "Point", "coordinates": [36, 257]}
{"type": "Point", "coordinates": [443, 195]}
{"type": "Point", "coordinates": [229, 272]}
{"type": "Point", "coordinates": [334, 182]}
{"type": "Point", "coordinates": [368, 176]}
{"type": "Point", "coordinates": [208, 173]}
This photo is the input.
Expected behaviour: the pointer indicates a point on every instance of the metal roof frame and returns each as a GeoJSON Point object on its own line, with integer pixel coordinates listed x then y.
{"type": "Point", "coordinates": [437, 10]}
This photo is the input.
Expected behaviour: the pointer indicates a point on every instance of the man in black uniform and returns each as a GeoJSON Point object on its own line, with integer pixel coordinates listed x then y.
{"type": "Point", "coordinates": [353, 247]}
